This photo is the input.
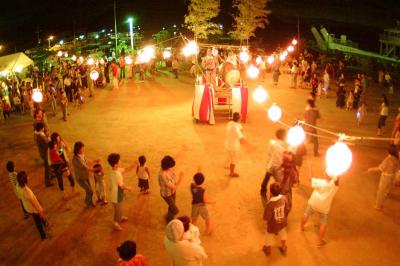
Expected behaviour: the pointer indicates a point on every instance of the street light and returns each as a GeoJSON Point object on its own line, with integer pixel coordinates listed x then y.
{"type": "Point", "coordinates": [130, 21]}
{"type": "Point", "coordinates": [50, 39]}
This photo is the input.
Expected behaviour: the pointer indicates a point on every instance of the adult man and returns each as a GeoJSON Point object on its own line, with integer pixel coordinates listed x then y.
{"type": "Point", "coordinates": [234, 137]}
{"type": "Point", "coordinates": [275, 150]}
{"type": "Point", "coordinates": [320, 202]}
{"type": "Point", "coordinates": [311, 116]}
{"type": "Point", "coordinates": [210, 65]}
{"type": "Point", "coordinates": [42, 144]}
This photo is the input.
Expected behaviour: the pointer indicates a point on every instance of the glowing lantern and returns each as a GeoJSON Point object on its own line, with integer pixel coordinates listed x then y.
{"type": "Point", "coordinates": [37, 96]}
{"type": "Point", "coordinates": [271, 59]}
{"type": "Point", "coordinates": [214, 51]}
{"type": "Point", "coordinates": [59, 53]}
{"type": "Point", "coordinates": [102, 61]}
{"type": "Point", "coordinates": [80, 60]}
{"type": "Point", "coordinates": [146, 54]}
{"type": "Point", "coordinates": [90, 61]}
{"type": "Point", "coordinates": [294, 42]}
{"type": "Point", "coordinates": [18, 69]}
{"type": "Point", "coordinates": [274, 113]}
{"type": "Point", "coordinates": [290, 48]}
{"type": "Point", "coordinates": [94, 75]}
{"type": "Point", "coordinates": [259, 60]}
{"type": "Point", "coordinates": [244, 56]}
{"type": "Point", "coordinates": [66, 54]}
{"type": "Point", "coordinates": [252, 72]}
{"type": "Point", "coordinates": [190, 49]}
{"type": "Point", "coordinates": [128, 60]}
{"type": "Point", "coordinates": [73, 58]}
{"type": "Point", "coordinates": [260, 95]}
{"type": "Point", "coordinates": [295, 136]}
{"type": "Point", "coordinates": [282, 57]}
{"type": "Point", "coordinates": [285, 53]}
{"type": "Point", "coordinates": [167, 54]}
{"type": "Point", "coordinates": [338, 159]}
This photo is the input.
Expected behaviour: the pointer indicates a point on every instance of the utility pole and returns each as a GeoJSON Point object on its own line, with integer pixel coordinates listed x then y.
{"type": "Point", "coordinates": [298, 32]}
{"type": "Point", "coordinates": [115, 27]}
{"type": "Point", "coordinates": [38, 31]}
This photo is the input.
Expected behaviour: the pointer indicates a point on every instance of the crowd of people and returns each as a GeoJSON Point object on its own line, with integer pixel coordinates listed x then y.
{"type": "Point", "coordinates": [182, 236]}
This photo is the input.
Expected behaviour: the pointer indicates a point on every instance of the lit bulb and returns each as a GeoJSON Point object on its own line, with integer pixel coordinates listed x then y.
{"type": "Point", "coordinates": [94, 75]}
{"type": "Point", "coordinates": [295, 136]}
{"type": "Point", "coordinates": [260, 95]}
{"type": "Point", "coordinates": [252, 72]}
{"type": "Point", "coordinates": [274, 113]}
{"type": "Point", "coordinates": [37, 96]}
{"type": "Point", "coordinates": [271, 59]}
{"type": "Point", "coordinates": [338, 159]}
{"type": "Point", "coordinates": [167, 54]}
{"type": "Point", "coordinates": [244, 56]}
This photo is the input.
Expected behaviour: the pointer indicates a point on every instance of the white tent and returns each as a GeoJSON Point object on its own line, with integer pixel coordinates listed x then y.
{"type": "Point", "coordinates": [14, 63]}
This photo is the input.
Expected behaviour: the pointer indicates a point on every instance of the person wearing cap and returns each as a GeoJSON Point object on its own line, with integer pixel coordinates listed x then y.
{"type": "Point", "coordinates": [388, 168]}
{"type": "Point", "coordinates": [181, 251]}
{"type": "Point", "coordinates": [128, 256]}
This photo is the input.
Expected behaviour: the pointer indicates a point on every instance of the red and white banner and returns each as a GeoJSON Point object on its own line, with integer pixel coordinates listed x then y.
{"type": "Point", "coordinates": [240, 99]}
{"type": "Point", "coordinates": [203, 104]}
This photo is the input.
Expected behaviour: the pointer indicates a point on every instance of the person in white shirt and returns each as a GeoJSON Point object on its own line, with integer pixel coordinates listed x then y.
{"type": "Point", "coordinates": [30, 203]}
{"type": "Point", "coordinates": [275, 150]}
{"type": "Point", "coordinates": [383, 114]}
{"type": "Point", "coordinates": [234, 137]}
{"type": "Point", "coordinates": [320, 202]}
{"type": "Point", "coordinates": [182, 252]}
{"type": "Point", "coordinates": [118, 187]}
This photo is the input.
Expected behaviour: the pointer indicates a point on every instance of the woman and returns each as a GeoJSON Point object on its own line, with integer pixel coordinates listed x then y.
{"type": "Point", "coordinates": [388, 168]}
{"type": "Point", "coordinates": [383, 114]}
{"type": "Point", "coordinates": [82, 170]}
{"type": "Point", "coordinates": [60, 166]}
{"type": "Point", "coordinates": [30, 203]}
{"type": "Point", "coordinates": [182, 252]}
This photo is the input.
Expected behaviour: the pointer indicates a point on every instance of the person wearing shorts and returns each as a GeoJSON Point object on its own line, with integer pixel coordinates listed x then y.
{"type": "Point", "coordinates": [320, 203]}
{"type": "Point", "coordinates": [199, 201]}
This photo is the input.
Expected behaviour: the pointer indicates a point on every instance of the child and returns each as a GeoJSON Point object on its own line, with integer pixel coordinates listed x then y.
{"type": "Point", "coordinates": [12, 176]}
{"type": "Point", "coordinates": [99, 184]}
{"type": "Point", "coordinates": [53, 102]}
{"type": "Point", "coordinates": [349, 101]}
{"type": "Point", "coordinates": [361, 112]}
{"type": "Point", "coordinates": [290, 176]}
{"type": "Point", "coordinates": [143, 175]}
{"type": "Point", "coordinates": [128, 255]}
{"type": "Point", "coordinates": [191, 232]}
{"type": "Point", "coordinates": [64, 106]}
{"type": "Point", "coordinates": [199, 201]}
{"type": "Point", "coordinates": [118, 187]}
{"type": "Point", "coordinates": [275, 214]}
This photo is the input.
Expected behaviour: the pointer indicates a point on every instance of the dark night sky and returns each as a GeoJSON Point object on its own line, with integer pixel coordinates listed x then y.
{"type": "Point", "coordinates": [21, 18]}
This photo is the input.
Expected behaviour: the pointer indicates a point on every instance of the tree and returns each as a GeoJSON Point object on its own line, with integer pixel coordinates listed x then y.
{"type": "Point", "coordinates": [249, 15]}
{"type": "Point", "coordinates": [200, 14]}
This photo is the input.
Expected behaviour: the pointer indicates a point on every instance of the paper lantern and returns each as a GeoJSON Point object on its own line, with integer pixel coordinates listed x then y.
{"type": "Point", "coordinates": [290, 48]}
{"type": "Point", "coordinates": [295, 136]}
{"type": "Point", "coordinates": [285, 53]}
{"type": "Point", "coordinates": [274, 113]}
{"type": "Point", "coordinates": [80, 60]}
{"type": "Point", "coordinates": [59, 53]}
{"type": "Point", "coordinates": [294, 42]}
{"type": "Point", "coordinates": [282, 57]}
{"type": "Point", "coordinates": [252, 72]}
{"type": "Point", "coordinates": [66, 54]}
{"type": "Point", "coordinates": [244, 56]}
{"type": "Point", "coordinates": [191, 48]}
{"type": "Point", "coordinates": [167, 54]}
{"type": "Point", "coordinates": [94, 75]}
{"type": "Point", "coordinates": [37, 96]}
{"type": "Point", "coordinates": [260, 95]}
{"type": "Point", "coordinates": [90, 61]}
{"type": "Point", "coordinates": [73, 58]}
{"type": "Point", "coordinates": [338, 159]}
{"type": "Point", "coordinates": [270, 59]}
{"type": "Point", "coordinates": [259, 60]}
{"type": "Point", "coordinates": [101, 61]}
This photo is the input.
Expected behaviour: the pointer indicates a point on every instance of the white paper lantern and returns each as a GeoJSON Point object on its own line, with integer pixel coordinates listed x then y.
{"type": "Point", "coordinates": [59, 53]}
{"type": "Point", "coordinates": [259, 60]}
{"type": "Point", "coordinates": [167, 54]}
{"type": "Point", "coordinates": [274, 113]}
{"type": "Point", "coordinates": [282, 57]}
{"type": "Point", "coordinates": [73, 58]}
{"type": "Point", "coordinates": [338, 159]}
{"type": "Point", "coordinates": [290, 48]}
{"type": "Point", "coordinates": [294, 42]}
{"type": "Point", "coordinates": [260, 95]}
{"type": "Point", "coordinates": [191, 48]}
{"type": "Point", "coordinates": [271, 59]}
{"type": "Point", "coordinates": [252, 72]}
{"type": "Point", "coordinates": [295, 136]}
{"type": "Point", "coordinates": [37, 96]}
{"type": "Point", "coordinates": [94, 75]}
{"type": "Point", "coordinates": [244, 56]}
{"type": "Point", "coordinates": [90, 61]}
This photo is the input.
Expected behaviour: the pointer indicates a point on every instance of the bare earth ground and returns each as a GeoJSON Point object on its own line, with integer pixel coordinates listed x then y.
{"type": "Point", "coordinates": [154, 119]}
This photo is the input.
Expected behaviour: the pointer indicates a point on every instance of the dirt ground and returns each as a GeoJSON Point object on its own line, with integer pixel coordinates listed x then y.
{"type": "Point", "coordinates": [154, 118]}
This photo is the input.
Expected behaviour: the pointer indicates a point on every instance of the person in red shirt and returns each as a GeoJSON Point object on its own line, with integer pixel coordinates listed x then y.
{"type": "Point", "coordinates": [128, 256]}
{"type": "Point", "coordinates": [114, 69]}
{"type": "Point", "coordinates": [275, 214]}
